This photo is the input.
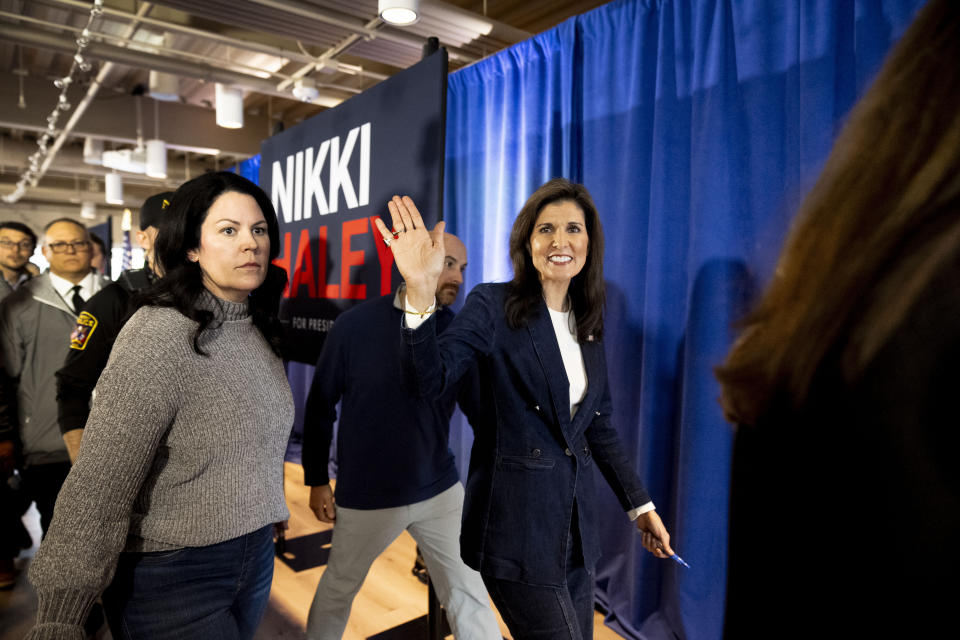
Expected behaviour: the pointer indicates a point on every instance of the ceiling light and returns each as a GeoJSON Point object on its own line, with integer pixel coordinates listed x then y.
{"type": "Point", "coordinates": [164, 86]}
{"type": "Point", "coordinates": [113, 188]}
{"type": "Point", "coordinates": [305, 89]}
{"type": "Point", "coordinates": [229, 107]}
{"type": "Point", "coordinates": [88, 210]}
{"type": "Point", "coordinates": [129, 160]}
{"type": "Point", "coordinates": [399, 12]}
{"type": "Point", "coordinates": [92, 150]}
{"type": "Point", "coordinates": [156, 160]}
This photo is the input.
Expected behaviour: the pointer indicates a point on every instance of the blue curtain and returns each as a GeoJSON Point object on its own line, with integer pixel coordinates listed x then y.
{"type": "Point", "coordinates": [697, 126]}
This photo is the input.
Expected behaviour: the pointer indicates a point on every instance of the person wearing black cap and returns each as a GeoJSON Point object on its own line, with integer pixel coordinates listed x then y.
{"type": "Point", "coordinates": [97, 328]}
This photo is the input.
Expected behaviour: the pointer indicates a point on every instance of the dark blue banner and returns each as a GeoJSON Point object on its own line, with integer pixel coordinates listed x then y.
{"type": "Point", "coordinates": [332, 175]}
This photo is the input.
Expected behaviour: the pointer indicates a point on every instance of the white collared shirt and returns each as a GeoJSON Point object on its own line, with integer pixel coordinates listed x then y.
{"type": "Point", "coordinates": [88, 286]}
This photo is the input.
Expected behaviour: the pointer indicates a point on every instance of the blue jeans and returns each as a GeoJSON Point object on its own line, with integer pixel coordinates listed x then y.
{"type": "Point", "coordinates": [538, 612]}
{"type": "Point", "coordinates": [217, 592]}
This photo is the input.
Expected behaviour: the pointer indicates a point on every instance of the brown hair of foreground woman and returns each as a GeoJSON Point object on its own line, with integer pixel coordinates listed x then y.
{"type": "Point", "coordinates": [877, 226]}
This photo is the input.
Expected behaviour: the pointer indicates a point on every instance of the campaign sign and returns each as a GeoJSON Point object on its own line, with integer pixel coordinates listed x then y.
{"type": "Point", "coordinates": [332, 175]}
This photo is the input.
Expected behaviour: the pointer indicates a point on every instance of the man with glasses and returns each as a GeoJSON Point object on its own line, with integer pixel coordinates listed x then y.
{"type": "Point", "coordinates": [98, 326]}
{"type": "Point", "coordinates": [35, 322]}
{"type": "Point", "coordinates": [17, 242]}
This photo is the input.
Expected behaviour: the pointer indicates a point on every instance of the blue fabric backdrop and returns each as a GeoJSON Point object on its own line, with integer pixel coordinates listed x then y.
{"type": "Point", "coordinates": [697, 126]}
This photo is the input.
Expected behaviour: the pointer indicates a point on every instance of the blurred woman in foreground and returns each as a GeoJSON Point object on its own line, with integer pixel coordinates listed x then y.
{"type": "Point", "coordinates": [845, 514]}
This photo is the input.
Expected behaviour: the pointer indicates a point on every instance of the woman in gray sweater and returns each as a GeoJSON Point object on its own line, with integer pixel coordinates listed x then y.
{"type": "Point", "coordinates": [168, 510]}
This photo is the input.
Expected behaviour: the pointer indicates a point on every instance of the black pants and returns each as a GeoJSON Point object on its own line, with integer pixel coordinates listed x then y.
{"type": "Point", "coordinates": [41, 484]}
{"type": "Point", "coordinates": [13, 535]}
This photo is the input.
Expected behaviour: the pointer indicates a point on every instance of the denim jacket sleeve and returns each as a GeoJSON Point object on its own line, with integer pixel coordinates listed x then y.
{"type": "Point", "coordinates": [611, 457]}
{"type": "Point", "coordinates": [433, 365]}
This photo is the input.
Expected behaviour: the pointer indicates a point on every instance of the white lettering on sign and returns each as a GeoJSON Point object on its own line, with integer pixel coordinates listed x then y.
{"type": "Point", "coordinates": [297, 189]}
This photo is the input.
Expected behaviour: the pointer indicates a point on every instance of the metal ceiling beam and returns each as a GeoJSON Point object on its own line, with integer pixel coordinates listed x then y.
{"type": "Point", "coordinates": [183, 126]}
{"type": "Point", "coordinates": [239, 43]}
{"type": "Point", "coordinates": [150, 61]}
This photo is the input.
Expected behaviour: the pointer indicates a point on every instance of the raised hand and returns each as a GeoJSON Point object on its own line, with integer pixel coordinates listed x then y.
{"type": "Point", "coordinates": [419, 253]}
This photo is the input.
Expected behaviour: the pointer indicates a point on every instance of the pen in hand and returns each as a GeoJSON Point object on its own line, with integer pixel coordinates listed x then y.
{"type": "Point", "coordinates": [672, 556]}
{"type": "Point", "coordinates": [679, 560]}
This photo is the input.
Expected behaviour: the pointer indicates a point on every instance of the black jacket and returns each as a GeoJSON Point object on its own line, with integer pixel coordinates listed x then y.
{"type": "Point", "coordinates": [97, 328]}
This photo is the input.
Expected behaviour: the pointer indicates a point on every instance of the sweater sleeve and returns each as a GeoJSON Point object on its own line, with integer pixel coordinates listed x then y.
{"type": "Point", "coordinates": [135, 403]}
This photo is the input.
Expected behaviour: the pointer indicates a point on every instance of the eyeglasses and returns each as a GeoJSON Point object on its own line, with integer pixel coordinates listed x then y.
{"type": "Point", "coordinates": [24, 245]}
{"type": "Point", "coordinates": [63, 247]}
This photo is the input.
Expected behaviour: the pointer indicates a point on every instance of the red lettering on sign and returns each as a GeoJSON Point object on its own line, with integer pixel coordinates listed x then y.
{"type": "Point", "coordinates": [284, 263]}
{"type": "Point", "coordinates": [326, 290]}
{"type": "Point", "coordinates": [303, 271]}
{"type": "Point", "coordinates": [350, 258]}
{"type": "Point", "coordinates": [385, 255]}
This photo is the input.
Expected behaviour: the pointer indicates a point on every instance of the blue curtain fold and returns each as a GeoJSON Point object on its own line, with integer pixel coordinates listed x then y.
{"type": "Point", "coordinates": [697, 126]}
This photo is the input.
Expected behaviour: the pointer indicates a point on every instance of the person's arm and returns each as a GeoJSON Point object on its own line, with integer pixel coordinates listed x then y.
{"type": "Point", "coordinates": [136, 402]}
{"type": "Point", "coordinates": [432, 365]}
{"type": "Point", "coordinates": [320, 414]}
{"type": "Point", "coordinates": [612, 461]}
{"type": "Point", "coordinates": [469, 399]}
{"type": "Point", "coordinates": [87, 353]}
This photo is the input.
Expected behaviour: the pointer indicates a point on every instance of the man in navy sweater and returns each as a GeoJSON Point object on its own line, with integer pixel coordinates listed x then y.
{"type": "Point", "coordinates": [395, 468]}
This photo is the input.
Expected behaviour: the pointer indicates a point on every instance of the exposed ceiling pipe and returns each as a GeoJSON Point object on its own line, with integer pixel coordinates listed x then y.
{"type": "Point", "coordinates": [139, 46]}
{"type": "Point", "coordinates": [150, 61]}
{"type": "Point", "coordinates": [70, 163]}
{"type": "Point", "coordinates": [329, 54]}
{"type": "Point", "coordinates": [246, 45]}
{"type": "Point", "coordinates": [367, 30]}
{"type": "Point", "coordinates": [85, 102]}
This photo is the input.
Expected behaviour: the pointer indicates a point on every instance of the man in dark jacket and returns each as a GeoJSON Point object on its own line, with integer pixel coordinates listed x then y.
{"type": "Point", "coordinates": [395, 469]}
{"type": "Point", "coordinates": [97, 328]}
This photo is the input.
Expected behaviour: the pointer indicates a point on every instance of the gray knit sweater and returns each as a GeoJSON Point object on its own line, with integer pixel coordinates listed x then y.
{"type": "Point", "coordinates": [180, 450]}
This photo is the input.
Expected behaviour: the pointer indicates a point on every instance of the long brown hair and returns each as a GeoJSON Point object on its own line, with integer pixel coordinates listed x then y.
{"type": "Point", "coordinates": [881, 220]}
{"type": "Point", "coordinates": [587, 292]}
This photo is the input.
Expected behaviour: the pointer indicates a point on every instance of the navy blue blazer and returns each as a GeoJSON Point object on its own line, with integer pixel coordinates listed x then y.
{"type": "Point", "coordinates": [530, 464]}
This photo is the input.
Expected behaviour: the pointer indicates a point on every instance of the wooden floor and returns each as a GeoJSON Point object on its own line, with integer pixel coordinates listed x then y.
{"type": "Point", "coordinates": [390, 596]}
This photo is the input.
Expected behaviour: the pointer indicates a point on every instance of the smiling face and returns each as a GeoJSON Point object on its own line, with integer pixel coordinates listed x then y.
{"type": "Point", "coordinates": [559, 243]}
{"type": "Point", "coordinates": [234, 247]}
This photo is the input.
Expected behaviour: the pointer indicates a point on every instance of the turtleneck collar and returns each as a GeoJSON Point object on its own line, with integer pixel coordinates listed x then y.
{"type": "Point", "coordinates": [224, 310]}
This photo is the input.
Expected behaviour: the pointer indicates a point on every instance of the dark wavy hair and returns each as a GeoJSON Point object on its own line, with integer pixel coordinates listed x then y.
{"type": "Point", "coordinates": [181, 286]}
{"type": "Point", "coordinates": [587, 290]}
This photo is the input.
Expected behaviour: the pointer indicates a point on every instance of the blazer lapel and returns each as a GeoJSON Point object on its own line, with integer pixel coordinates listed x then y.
{"type": "Point", "coordinates": [548, 352]}
{"type": "Point", "coordinates": [593, 363]}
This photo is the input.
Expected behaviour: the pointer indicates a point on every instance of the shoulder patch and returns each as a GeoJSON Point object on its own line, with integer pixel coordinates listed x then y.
{"type": "Point", "coordinates": [86, 323]}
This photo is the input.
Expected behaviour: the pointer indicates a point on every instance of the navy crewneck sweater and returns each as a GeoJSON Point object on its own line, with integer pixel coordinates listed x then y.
{"type": "Point", "coordinates": [392, 448]}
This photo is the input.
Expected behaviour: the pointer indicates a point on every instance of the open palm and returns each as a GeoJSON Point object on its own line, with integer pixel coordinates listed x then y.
{"type": "Point", "coordinates": [418, 252]}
